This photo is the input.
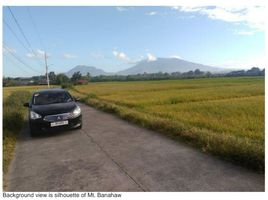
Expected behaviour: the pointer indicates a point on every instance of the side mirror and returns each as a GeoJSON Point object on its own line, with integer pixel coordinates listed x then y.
{"type": "Point", "coordinates": [77, 99]}
{"type": "Point", "coordinates": [26, 105]}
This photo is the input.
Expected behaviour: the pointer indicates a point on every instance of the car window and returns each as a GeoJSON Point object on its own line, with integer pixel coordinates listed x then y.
{"type": "Point", "coordinates": [44, 98]}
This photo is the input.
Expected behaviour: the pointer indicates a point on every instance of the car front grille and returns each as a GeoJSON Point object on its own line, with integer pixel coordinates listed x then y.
{"type": "Point", "coordinates": [58, 117]}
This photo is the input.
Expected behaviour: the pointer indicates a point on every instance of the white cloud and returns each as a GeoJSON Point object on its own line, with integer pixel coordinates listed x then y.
{"type": "Point", "coordinates": [151, 57]}
{"type": "Point", "coordinates": [175, 7]}
{"type": "Point", "coordinates": [120, 55]}
{"type": "Point", "coordinates": [188, 9]}
{"type": "Point", "coordinates": [121, 9]}
{"type": "Point", "coordinates": [37, 54]}
{"type": "Point", "coordinates": [40, 52]}
{"type": "Point", "coordinates": [9, 49]}
{"type": "Point", "coordinates": [244, 32]}
{"type": "Point", "coordinates": [137, 60]}
{"type": "Point", "coordinates": [151, 13]}
{"type": "Point", "coordinates": [68, 56]}
{"type": "Point", "coordinates": [175, 56]}
{"type": "Point", "coordinates": [252, 16]}
{"type": "Point", "coordinates": [30, 55]}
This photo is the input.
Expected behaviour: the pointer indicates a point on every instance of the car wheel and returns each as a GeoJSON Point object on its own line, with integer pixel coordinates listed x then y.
{"type": "Point", "coordinates": [33, 133]}
{"type": "Point", "coordinates": [79, 127]}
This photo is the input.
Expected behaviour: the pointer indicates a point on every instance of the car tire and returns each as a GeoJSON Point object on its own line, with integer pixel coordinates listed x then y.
{"type": "Point", "coordinates": [79, 127]}
{"type": "Point", "coordinates": [33, 133]}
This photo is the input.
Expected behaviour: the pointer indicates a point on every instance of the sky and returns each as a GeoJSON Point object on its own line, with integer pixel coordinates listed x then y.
{"type": "Point", "coordinates": [115, 38]}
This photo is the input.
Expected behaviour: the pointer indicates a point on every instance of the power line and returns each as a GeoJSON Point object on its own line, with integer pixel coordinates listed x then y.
{"type": "Point", "coordinates": [21, 31]}
{"type": "Point", "coordinates": [35, 27]}
{"type": "Point", "coordinates": [19, 59]}
{"type": "Point", "coordinates": [13, 32]}
{"type": "Point", "coordinates": [18, 66]}
{"type": "Point", "coordinates": [41, 43]}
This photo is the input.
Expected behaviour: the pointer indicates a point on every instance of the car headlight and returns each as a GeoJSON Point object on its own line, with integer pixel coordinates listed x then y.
{"type": "Point", "coordinates": [34, 115]}
{"type": "Point", "coordinates": [76, 112]}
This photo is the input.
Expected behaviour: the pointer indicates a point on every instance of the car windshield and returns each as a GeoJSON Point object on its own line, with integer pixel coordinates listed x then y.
{"type": "Point", "coordinates": [44, 98]}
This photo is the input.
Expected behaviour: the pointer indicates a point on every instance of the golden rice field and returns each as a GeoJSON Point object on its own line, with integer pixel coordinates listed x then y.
{"type": "Point", "coordinates": [222, 116]}
{"type": "Point", "coordinates": [8, 90]}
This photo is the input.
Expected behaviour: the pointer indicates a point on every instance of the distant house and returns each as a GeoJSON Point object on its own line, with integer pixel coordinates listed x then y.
{"type": "Point", "coordinates": [82, 82]}
{"type": "Point", "coordinates": [42, 82]}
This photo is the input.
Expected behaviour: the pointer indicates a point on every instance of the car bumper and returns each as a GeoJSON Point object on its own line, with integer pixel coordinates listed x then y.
{"type": "Point", "coordinates": [39, 125]}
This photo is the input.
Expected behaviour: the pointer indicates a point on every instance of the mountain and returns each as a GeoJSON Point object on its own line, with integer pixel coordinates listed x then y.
{"type": "Point", "coordinates": [168, 65]}
{"type": "Point", "coordinates": [86, 69]}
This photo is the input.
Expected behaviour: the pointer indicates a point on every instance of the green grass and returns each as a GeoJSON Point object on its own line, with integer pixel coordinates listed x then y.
{"type": "Point", "coordinates": [13, 118]}
{"type": "Point", "coordinates": [222, 116]}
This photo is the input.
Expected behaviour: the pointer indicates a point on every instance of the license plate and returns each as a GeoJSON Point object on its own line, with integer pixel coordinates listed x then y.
{"type": "Point", "coordinates": [60, 123]}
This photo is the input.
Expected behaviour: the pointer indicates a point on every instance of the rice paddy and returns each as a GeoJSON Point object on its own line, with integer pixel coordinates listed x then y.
{"type": "Point", "coordinates": [222, 116]}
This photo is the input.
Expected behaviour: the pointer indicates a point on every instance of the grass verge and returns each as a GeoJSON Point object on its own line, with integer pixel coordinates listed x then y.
{"type": "Point", "coordinates": [13, 119]}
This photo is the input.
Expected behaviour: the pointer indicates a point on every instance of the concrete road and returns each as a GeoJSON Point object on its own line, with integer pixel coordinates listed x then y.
{"type": "Point", "coordinates": [109, 154]}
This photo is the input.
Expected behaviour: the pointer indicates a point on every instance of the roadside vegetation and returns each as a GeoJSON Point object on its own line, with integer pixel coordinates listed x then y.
{"type": "Point", "coordinates": [9, 90]}
{"type": "Point", "coordinates": [221, 116]}
{"type": "Point", "coordinates": [14, 115]}
{"type": "Point", "coordinates": [13, 119]}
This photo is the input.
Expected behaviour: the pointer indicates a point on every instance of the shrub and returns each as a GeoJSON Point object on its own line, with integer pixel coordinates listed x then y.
{"type": "Point", "coordinates": [66, 85]}
{"type": "Point", "coordinates": [13, 110]}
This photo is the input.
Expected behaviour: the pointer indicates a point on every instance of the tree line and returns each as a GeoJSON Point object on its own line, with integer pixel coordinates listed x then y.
{"type": "Point", "coordinates": [78, 78]}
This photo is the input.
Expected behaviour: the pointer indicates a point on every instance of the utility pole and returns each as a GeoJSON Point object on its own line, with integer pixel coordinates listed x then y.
{"type": "Point", "coordinates": [47, 70]}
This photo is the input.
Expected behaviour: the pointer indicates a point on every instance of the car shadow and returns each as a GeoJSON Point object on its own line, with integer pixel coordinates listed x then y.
{"type": "Point", "coordinates": [26, 135]}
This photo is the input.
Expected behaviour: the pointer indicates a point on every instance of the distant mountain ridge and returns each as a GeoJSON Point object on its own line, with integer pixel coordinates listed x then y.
{"type": "Point", "coordinates": [83, 69]}
{"type": "Point", "coordinates": [168, 65]}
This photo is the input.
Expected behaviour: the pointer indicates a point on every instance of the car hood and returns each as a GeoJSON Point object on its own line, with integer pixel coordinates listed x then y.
{"type": "Point", "coordinates": [52, 109]}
